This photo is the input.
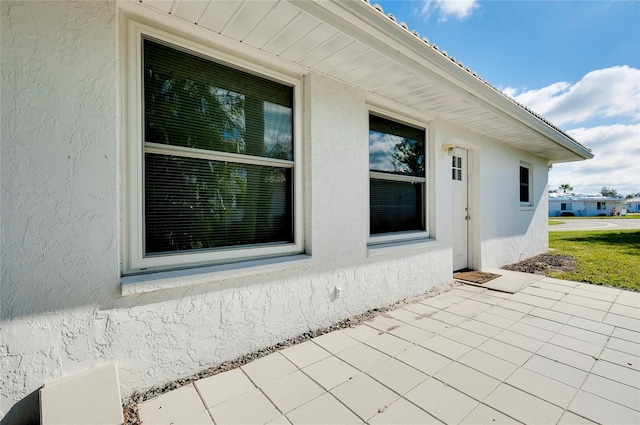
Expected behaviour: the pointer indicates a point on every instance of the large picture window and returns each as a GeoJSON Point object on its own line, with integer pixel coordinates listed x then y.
{"type": "Point", "coordinates": [397, 177]}
{"type": "Point", "coordinates": [217, 163]}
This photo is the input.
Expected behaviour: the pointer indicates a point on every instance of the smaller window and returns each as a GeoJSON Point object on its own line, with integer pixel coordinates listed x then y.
{"type": "Point", "coordinates": [525, 184]}
{"type": "Point", "coordinates": [602, 206]}
{"type": "Point", "coordinates": [397, 177]}
{"type": "Point", "coordinates": [566, 207]}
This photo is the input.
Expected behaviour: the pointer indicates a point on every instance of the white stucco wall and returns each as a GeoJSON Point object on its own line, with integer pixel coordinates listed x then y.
{"type": "Point", "coordinates": [501, 231]}
{"type": "Point", "coordinates": [62, 311]}
{"type": "Point", "coordinates": [510, 232]}
{"type": "Point", "coordinates": [611, 204]}
{"type": "Point", "coordinates": [577, 207]}
{"type": "Point", "coordinates": [591, 208]}
{"type": "Point", "coordinates": [59, 181]}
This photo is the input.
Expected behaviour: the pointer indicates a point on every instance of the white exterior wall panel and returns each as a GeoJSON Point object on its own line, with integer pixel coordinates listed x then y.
{"type": "Point", "coordinates": [62, 173]}
{"type": "Point", "coordinates": [576, 207]}
{"type": "Point", "coordinates": [501, 231]}
{"type": "Point", "coordinates": [511, 232]}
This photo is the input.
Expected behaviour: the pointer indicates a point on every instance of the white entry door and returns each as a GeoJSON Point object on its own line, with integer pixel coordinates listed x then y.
{"type": "Point", "coordinates": [460, 209]}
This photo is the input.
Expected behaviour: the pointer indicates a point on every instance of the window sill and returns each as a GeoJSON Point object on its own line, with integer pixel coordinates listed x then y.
{"type": "Point", "coordinates": [401, 246]}
{"type": "Point", "coordinates": [157, 281]}
{"type": "Point", "coordinates": [527, 208]}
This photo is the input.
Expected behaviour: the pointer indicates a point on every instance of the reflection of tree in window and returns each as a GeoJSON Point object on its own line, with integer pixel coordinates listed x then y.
{"type": "Point", "coordinates": [408, 157]}
{"type": "Point", "coordinates": [278, 138]}
{"type": "Point", "coordinates": [194, 202]}
{"type": "Point", "coordinates": [232, 124]}
{"type": "Point", "coordinates": [397, 176]}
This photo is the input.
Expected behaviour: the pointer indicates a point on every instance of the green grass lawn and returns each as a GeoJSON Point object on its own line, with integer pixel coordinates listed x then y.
{"type": "Point", "coordinates": [559, 220]}
{"type": "Point", "coordinates": [602, 257]}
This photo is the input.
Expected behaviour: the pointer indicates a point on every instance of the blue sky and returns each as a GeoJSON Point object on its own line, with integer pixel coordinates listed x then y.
{"type": "Point", "coordinates": [577, 63]}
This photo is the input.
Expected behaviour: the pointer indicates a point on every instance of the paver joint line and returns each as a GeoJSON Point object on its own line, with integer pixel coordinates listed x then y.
{"type": "Point", "coordinates": [204, 403]}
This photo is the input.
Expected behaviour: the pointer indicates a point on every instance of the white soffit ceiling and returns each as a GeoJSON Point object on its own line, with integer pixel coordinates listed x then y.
{"type": "Point", "coordinates": [355, 43]}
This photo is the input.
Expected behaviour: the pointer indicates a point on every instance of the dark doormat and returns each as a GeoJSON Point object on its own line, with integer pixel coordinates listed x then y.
{"type": "Point", "coordinates": [475, 276]}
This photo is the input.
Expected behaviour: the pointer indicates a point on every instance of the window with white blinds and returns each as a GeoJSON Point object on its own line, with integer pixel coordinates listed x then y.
{"type": "Point", "coordinates": [397, 177]}
{"type": "Point", "coordinates": [218, 158]}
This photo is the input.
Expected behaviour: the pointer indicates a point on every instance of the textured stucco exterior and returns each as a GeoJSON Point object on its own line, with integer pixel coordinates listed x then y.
{"type": "Point", "coordinates": [501, 230]}
{"type": "Point", "coordinates": [62, 152]}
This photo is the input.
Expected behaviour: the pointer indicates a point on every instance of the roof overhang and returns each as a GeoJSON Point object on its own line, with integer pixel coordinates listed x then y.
{"type": "Point", "coordinates": [356, 43]}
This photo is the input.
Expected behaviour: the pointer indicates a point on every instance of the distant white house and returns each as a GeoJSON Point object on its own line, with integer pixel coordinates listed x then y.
{"type": "Point", "coordinates": [632, 205]}
{"type": "Point", "coordinates": [585, 206]}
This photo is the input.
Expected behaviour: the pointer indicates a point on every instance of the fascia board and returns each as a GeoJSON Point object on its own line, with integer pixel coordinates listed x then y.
{"type": "Point", "coordinates": [360, 21]}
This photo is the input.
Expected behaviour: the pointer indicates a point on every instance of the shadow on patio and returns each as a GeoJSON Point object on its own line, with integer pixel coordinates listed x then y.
{"type": "Point", "coordinates": [555, 352]}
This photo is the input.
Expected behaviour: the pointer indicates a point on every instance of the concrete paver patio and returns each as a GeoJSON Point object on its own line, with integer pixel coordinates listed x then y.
{"type": "Point", "coordinates": [555, 352]}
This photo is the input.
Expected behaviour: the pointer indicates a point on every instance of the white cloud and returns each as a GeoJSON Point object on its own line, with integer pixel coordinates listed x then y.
{"type": "Point", "coordinates": [616, 163]}
{"type": "Point", "coordinates": [604, 93]}
{"type": "Point", "coordinates": [605, 103]}
{"type": "Point", "coordinates": [381, 148]}
{"type": "Point", "coordinates": [459, 9]}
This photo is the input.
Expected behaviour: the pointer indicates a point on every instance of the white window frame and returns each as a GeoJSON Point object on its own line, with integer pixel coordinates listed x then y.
{"type": "Point", "coordinates": [133, 259]}
{"type": "Point", "coordinates": [530, 187]}
{"type": "Point", "coordinates": [408, 236]}
{"type": "Point", "coordinates": [566, 206]}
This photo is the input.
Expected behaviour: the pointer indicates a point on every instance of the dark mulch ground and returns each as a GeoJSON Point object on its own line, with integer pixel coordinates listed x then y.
{"type": "Point", "coordinates": [543, 263]}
